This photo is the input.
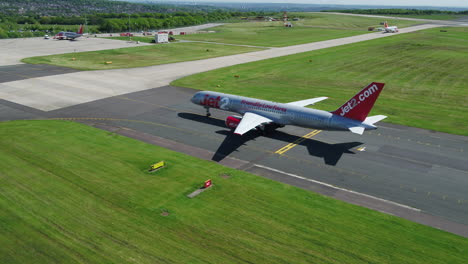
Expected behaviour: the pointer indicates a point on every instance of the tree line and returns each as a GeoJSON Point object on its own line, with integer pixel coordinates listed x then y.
{"type": "Point", "coordinates": [13, 26]}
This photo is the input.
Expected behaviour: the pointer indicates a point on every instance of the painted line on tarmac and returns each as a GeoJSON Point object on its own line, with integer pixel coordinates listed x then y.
{"type": "Point", "coordinates": [337, 188]}
{"type": "Point", "coordinates": [298, 141]}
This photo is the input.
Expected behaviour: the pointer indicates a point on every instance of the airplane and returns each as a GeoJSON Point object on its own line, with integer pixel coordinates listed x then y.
{"type": "Point", "coordinates": [69, 35]}
{"type": "Point", "coordinates": [393, 29]}
{"type": "Point", "coordinates": [266, 115]}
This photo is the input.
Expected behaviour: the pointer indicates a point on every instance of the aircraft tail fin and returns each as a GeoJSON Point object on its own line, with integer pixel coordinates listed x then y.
{"type": "Point", "coordinates": [385, 24]}
{"type": "Point", "coordinates": [359, 106]}
{"type": "Point", "coordinates": [80, 31]}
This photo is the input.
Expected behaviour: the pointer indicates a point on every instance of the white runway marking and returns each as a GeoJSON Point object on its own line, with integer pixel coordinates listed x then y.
{"type": "Point", "coordinates": [338, 188]}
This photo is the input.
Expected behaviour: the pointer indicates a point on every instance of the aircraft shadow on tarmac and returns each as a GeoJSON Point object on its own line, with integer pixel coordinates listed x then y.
{"type": "Point", "coordinates": [331, 153]}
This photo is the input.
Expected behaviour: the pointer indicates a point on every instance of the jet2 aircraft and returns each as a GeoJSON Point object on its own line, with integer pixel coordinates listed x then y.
{"type": "Point", "coordinates": [69, 35]}
{"type": "Point", "coordinates": [266, 115]}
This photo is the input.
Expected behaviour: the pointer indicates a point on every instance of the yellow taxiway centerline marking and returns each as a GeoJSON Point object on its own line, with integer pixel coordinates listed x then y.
{"type": "Point", "coordinates": [297, 142]}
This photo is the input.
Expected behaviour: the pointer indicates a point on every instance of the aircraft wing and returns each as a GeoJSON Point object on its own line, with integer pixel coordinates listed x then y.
{"type": "Point", "coordinates": [250, 121]}
{"type": "Point", "coordinates": [308, 101]}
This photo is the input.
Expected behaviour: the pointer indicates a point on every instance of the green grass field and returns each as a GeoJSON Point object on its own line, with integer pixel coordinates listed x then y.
{"type": "Point", "coordinates": [425, 75]}
{"type": "Point", "coordinates": [74, 194]}
{"type": "Point", "coordinates": [139, 56]}
{"type": "Point", "coordinates": [312, 27]}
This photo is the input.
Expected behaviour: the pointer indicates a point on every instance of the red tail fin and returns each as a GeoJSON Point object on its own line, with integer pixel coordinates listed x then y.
{"type": "Point", "coordinates": [359, 106]}
{"type": "Point", "coordinates": [385, 24]}
{"type": "Point", "coordinates": [80, 31]}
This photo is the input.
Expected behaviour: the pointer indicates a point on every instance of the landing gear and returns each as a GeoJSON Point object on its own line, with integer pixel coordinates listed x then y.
{"type": "Point", "coordinates": [208, 114]}
{"type": "Point", "coordinates": [267, 128]}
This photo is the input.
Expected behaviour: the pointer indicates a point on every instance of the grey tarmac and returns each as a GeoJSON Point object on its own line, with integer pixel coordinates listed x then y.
{"type": "Point", "coordinates": [14, 50]}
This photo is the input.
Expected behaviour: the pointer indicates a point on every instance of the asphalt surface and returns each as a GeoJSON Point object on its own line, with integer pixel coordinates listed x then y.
{"type": "Point", "coordinates": [424, 171]}
{"type": "Point", "coordinates": [13, 50]}
{"type": "Point", "coordinates": [17, 72]}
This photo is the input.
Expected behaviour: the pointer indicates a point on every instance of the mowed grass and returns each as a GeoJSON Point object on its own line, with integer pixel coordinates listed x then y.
{"type": "Point", "coordinates": [425, 75]}
{"type": "Point", "coordinates": [139, 56]}
{"type": "Point", "coordinates": [312, 28]}
{"type": "Point", "coordinates": [74, 194]}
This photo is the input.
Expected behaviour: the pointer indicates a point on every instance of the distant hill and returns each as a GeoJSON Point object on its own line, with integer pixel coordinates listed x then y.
{"type": "Point", "coordinates": [275, 7]}
{"type": "Point", "coordinates": [82, 7]}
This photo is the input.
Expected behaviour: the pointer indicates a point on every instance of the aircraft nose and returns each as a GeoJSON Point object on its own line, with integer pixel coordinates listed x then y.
{"type": "Point", "coordinates": [195, 98]}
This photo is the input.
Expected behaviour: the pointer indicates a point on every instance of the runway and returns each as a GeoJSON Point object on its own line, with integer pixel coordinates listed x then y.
{"type": "Point", "coordinates": [424, 171]}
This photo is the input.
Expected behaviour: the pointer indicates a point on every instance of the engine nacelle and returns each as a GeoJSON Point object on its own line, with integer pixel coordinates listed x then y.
{"type": "Point", "coordinates": [233, 121]}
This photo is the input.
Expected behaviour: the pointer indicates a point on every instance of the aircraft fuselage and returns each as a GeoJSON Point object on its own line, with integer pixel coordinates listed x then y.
{"type": "Point", "coordinates": [281, 114]}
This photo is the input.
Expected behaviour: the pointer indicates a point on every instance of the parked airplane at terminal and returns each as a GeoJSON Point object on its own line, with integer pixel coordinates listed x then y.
{"type": "Point", "coordinates": [69, 35]}
{"type": "Point", "coordinates": [265, 115]}
{"type": "Point", "coordinates": [392, 29]}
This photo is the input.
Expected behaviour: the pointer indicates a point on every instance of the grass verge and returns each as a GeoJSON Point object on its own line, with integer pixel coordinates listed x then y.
{"type": "Point", "coordinates": [71, 193]}
{"type": "Point", "coordinates": [139, 56]}
{"type": "Point", "coordinates": [424, 72]}
{"type": "Point", "coordinates": [311, 27]}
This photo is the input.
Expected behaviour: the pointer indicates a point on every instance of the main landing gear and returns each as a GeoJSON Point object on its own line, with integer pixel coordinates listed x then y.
{"type": "Point", "coordinates": [208, 114]}
{"type": "Point", "coordinates": [267, 128]}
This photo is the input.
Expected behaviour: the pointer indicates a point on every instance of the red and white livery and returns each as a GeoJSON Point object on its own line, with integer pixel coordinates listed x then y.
{"type": "Point", "coordinates": [392, 29]}
{"type": "Point", "coordinates": [69, 35]}
{"type": "Point", "coordinates": [263, 115]}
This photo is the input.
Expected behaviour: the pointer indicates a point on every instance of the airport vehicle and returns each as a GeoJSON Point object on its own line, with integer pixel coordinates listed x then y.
{"type": "Point", "coordinates": [392, 29]}
{"type": "Point", "coordinates": [69, 35]}
{"type": "Point", "coordinates": [265, 115]}
{"type": "Point", "coordinates": [46, 36]}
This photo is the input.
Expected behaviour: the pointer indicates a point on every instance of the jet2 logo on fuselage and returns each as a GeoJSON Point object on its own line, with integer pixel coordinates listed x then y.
{"type": "Point", "coordinates": [362, 97]}
{"type": "Point", "coordinates": [215, 102]}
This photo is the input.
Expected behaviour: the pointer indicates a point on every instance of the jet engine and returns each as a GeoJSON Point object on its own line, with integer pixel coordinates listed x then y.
{"type": "Point", "coordinates": [233, 121]}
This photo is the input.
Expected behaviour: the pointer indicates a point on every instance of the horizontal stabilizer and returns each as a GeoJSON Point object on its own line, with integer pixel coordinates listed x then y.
{"type": "Point", "coordinates": [307, 101]}
{"type": "Point", "coordinates": [374, 119]}
{"type": "Point", "coordinates": [358, 130]}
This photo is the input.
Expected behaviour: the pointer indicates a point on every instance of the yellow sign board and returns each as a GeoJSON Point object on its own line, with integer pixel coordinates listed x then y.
{"type": "Point", "coordinates": [157, 166]}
